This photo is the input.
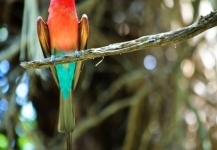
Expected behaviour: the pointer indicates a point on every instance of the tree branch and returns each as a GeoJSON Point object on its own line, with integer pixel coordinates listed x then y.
{"type": "Point", "coordinates": [162, 39]}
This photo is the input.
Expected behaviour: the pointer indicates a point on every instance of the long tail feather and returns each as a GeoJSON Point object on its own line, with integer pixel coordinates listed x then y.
{"type": "Point", "coordinates": [66, 115]}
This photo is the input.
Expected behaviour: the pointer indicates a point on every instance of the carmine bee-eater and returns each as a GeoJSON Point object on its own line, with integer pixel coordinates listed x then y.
{"type": "Point", "coordinates": [64, 33]}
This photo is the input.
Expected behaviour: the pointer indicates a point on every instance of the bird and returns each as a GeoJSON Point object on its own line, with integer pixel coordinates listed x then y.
{"type": "Point", "coordinates": [64, 33]}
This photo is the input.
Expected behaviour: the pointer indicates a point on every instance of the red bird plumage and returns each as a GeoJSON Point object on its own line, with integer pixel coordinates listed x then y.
{"type": "Point", "coordinates": [63, 24]}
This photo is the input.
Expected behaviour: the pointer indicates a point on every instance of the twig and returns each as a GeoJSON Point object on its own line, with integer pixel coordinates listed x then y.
{"type": "Point", "coordinates": [162, 39]}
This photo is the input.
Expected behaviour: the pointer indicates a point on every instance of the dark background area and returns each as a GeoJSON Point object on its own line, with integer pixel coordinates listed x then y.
{"type": "Point", "coordinates": [157, 98]}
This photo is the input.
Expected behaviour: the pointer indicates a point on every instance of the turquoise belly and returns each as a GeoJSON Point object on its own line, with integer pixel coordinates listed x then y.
{"type": "Point", "coordinates": [65, 74]}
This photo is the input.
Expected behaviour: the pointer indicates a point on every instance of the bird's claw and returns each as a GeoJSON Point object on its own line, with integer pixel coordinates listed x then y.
{"type": "Point", "coordinates": [52, 58]}
{"type": "Point", "coordinates": [76, 54]}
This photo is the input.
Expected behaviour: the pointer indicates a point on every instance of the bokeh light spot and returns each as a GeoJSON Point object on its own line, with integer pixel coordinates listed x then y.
{"type": "Point", "coordinates": [119, 17]}
{"type": "Point", "coordinates": [169, 3]}
{"type": "Point", "coordinates": [21, 101]}
{"type": "Point", "coordinates": [207, 58]}
{"type": "Point", "coordinates": [28, 112]}
{"type": "Point", "coordinates": [29, 146]}
{"type": "Point", "coordinates": [5, 88]}
{"type": "Point", "coordinates": [200, 88]}
{"type": "Point", "coordinates": [4, 105]}
{"type": "Point", "coordinates": [205, 7]}
{"type": "Point", "coordinates": [188, 68]}
{"type": "Point", "coordinates": [3, 81]}
{"type": "Point", "coordinates": [4, 66]}
{"type": "Point", "coordinates": [190, 118]}
{"type": "Point", "coordinates": [22, 90]}
{"type": "Point", "coordinates": [123, 29]}
{"type": "Point", "coordinates": [4, 142]}
{"type": "Point", "coordinates": [25, 143]}
{"type": "Point", "coordinates": [3, 34]}
{"type": "Point", "coordinates": [187, 12]}
{"type": "Point", "coordinates": [136, 7]}
{"type": "Point", "coordinates": [211, 87]}
{"type": "Point", "coordinates": [19, 130]}
{"type": "Point", "coordinates": [150, 62]}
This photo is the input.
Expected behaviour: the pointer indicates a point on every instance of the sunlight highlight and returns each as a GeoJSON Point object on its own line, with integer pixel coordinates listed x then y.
{"type": "Point", "coordinates": [207, 58]}
{"type": "Point", "coordinates": [169, 3]}
{"type": "Point", "coordinates": [205, 7]}
{"type": "Point", "coordinates": [187, 12]}
{"type": "Point", "coordinates": [3, 34]}
{"type": "Point", "coordinates": [150, 62]}
{"type": "Point", "coordinates": [188, 68]}
{"type": "Point", "coordinates": [200, 88]}
{"type": "Point", "coordinates": [22, 90]}
{"type": "Point", "coordinates": [28, 112]}
{"type": "Point", "coordinates": [4, 66]}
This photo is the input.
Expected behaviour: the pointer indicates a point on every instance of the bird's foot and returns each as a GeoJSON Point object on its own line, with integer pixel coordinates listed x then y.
{"type": "Point", "coordinates": [52, 58]}
{"type": "Point", "coordinates": [76, 54]}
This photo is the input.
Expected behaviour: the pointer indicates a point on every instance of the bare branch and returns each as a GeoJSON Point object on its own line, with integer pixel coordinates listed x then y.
{"type": "Point", "coordinates": [204, 23]}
